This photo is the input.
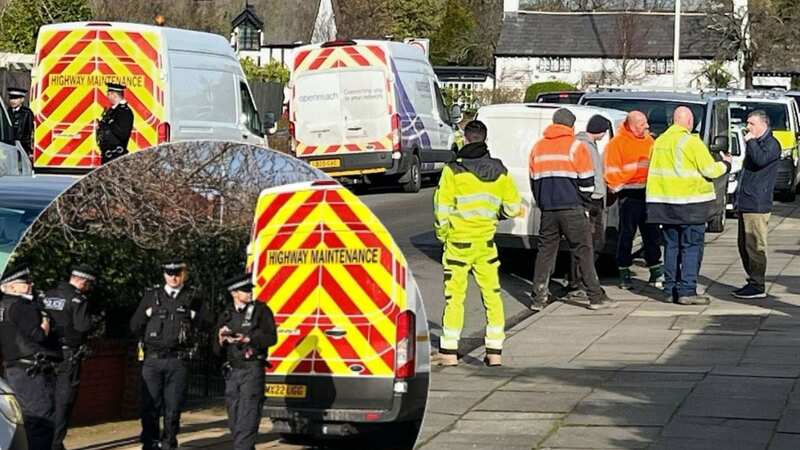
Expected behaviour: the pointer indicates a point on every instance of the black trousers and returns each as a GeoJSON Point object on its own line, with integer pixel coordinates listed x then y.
{"type": "Point", "coordinates": [163, 388]}
{"type": "Point", "coordinates": [244, 397]}
{"type": "Point", "coordinates": [597, 230]}
{"type": "Point", "coordinates": [35, 396]}
{"type": "Point", "coordinates": [573, 224]}
{"type": "Point", "coordinates": [68, 379]}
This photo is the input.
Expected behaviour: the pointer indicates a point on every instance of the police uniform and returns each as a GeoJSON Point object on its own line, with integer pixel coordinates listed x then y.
{"type": "Point", "coordinates": [69, 311]}
{"type": "Point", "coordinates": [29, 365]}
{"type": "Point", "coordinates": [114, 128]}
{"type": "Point", "coordinates": [167, 335]}
{"type": "Point", "coordinates": [21, 120]}
{"type": "Point", "coordinates": [245, 363]}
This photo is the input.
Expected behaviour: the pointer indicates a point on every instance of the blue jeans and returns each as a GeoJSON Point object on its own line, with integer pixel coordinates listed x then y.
{"type": "Point", "coordinates": [633, 215]}
{"type": "Point", "coordinates": [683, 254]}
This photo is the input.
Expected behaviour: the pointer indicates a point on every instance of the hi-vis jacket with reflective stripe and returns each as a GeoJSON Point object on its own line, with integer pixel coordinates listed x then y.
{"type": "Point", "coordinates": [679, 190]}
{"type": "Point", "coordinates": [626, 160]}
{"type": "Point", "coordinates": [473, 193]}
{"type": "Point", "coordinates": [561, 170]}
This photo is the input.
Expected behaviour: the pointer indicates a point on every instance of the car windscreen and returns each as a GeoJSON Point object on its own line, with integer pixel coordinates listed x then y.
{"type": "Point", "coordinates": [658, 112]}
{"type": "Point", "coordinates": [335, 107]}
{"type": "Point", "coordinates": [778, 113]}
{"type": "Point", "coordinates": [566, 98]}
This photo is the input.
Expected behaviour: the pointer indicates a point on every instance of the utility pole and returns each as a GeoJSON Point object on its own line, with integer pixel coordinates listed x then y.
{"type": "Point", "coordinates": [676, 51]}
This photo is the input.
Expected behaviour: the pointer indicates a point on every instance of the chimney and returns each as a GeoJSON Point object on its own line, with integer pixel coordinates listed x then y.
{"type": "Point", "coordinates": [510, 6]}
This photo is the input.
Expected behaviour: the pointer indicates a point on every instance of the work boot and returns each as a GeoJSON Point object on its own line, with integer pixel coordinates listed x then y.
{"type": "Point", "coordinates": [603, 303]}
{"type": "Point", "coordinates": [657, 276]}
{"type": "Point", "coordinates": [693, 300]}
{"type": "Point", "coordinates": [537, 302]}
{"type": "Point", "coordinates": [625, 278]}
{"type": "Point", "coordinates": [493, 360]}
{"type": "Point", "coordinates": [447, 360]}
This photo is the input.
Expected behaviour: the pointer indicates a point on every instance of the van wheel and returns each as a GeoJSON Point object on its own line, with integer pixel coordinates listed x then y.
{"type": "Point", "coordinates": [717, 223]}
{"type": "Point", "coordinates": [414, 183]}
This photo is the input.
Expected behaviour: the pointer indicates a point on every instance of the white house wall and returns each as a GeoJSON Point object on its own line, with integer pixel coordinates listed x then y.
{"type": "Point", "coordinates": [520, 72]}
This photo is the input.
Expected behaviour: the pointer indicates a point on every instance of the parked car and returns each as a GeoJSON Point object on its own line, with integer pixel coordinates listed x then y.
{"type": "Point", "coordinates": [12, 431]}
{"type": "Point", "coordinates": [513, 130]}
{"type": "Point", "coordinates": [783, 119]}
{"type": "Point", "coordinates": [568, 97]}
{"type": "Point", "coordinates": [711, 117]}
{"type": "Point", "coordinates": [181, 85]}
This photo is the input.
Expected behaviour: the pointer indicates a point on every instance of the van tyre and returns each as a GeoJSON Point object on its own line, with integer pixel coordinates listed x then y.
{"type": "Point", "coordinates": [414, 174]}
{"type": "Point", "coordinates": [717, 223]}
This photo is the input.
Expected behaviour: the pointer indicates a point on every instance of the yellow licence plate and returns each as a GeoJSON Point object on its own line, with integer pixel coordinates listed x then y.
{"type": "Point", "coordinates": [285, 390]}
{"type": "Point", "coordinates": [326, 163]}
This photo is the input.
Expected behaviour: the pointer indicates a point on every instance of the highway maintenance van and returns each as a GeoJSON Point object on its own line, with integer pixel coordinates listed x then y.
{"type": "Point", "coordinates": [369, 111]}
{"type": "Point", "coordinates": [353, 349]}
{"type": "Point", "coordinates": [513, 131]}
{"type": "Point", "coordinates": [181, 85]}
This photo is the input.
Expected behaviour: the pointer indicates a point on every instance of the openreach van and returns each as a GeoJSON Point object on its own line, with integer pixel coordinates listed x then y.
{"type": "Point", "coordinates": [353, 352]}
{"type": "Point", "coordinates": [181, 85]}
{"type": "Point", "coordinates": [369, 111]}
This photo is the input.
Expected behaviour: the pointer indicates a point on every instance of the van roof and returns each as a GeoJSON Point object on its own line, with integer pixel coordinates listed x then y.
{"type": "Point", "coordinates": [689, 97]}
{"type": "Point", "coordinates": [397, 49]}
{"type": "Point", "coordinates": [523, 108]}
{"type": "Point", "coordinates": [176, 38]}
{"type": "Point", "coordinates": [321, 184]}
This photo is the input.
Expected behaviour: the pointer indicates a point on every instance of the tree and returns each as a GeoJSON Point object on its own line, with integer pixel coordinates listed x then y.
{"type": "Point", "coordinates": [630, 39]}
{"type": "Point", "coordinates": [416, 18]}
{"type": "Point", "coordinates": [20, 20]}
{"type": "Point", "coordinates": [715, 75]}
{"type": "Point", "coordinates": [546, 86]}
{"type": "Point", "coordinates": [273, 71]}
{"type": "Point", "coordinates": [362, 18]}
{"type": "Point", "coordinates": [451, 44]}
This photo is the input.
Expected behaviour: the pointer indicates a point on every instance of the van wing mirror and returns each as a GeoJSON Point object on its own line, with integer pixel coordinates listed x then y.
{"type": "Point", "coordinates": [456, 115]}
{"type": "Point", "coordinates": [721, 144]}
{"type": "Point", "coordinates": [736, 149]}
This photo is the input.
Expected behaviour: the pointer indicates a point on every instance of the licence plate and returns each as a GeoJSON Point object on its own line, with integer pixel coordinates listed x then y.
{"type": "Point", "coordinates": [285, 390]}
{"type": "Point", "coordinates": [326, 163]}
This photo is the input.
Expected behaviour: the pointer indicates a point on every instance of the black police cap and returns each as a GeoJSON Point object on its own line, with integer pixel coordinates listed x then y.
{"type": "Point", "coordinates": [15, 92]}
{"type": "Point", "coordinates": [173, 265]}
{"type": "Point", "coordinates": [115, 87]}
{"type": "Point", "coordinates": [19, 273]}
{"type": "Point", "coordinates": [239, 283]}
{"type": "Point", "coordinates": [83, 271]}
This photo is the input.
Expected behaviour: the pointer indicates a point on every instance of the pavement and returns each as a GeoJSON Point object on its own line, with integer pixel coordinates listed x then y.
{"type": "Point", "coordinates": [649, 374]}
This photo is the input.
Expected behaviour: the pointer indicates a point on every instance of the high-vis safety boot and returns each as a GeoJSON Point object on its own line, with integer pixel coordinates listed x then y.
{"type": "Point", "coordinates": [459, 260]}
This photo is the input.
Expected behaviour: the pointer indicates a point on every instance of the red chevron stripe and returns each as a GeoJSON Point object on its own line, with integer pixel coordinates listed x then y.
{"type": "Point", "coordinates": [357, 57]}
{"type": "Point", "coordinates": [377, 51]}
{"type": "Point", "coordinates": [269, 212]}
{"type": "Point", "coordinates": [51, 44]}
{"type": "Point", "coordinates": [285, 272]}
{"type": "Point", "coordinates": [321, 58]}
{"type": "Point", "coordinates": [300, 58]}
{"type": "Point", "coordinates": [67, 150]}
{"type": "Point", "coordinates": [300, 294]}
{"type": "Point", "coordinates": [145, 46]}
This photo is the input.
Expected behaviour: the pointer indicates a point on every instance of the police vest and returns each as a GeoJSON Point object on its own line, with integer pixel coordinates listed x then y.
{"type": "Point", "coordinates": [13, 344]}
{"type": "Point", "coordinates": [59, 303]}
{"type": "Point", "coordinates": [170, 327]}
{"type": "Point", "coordinates": [242, 323]}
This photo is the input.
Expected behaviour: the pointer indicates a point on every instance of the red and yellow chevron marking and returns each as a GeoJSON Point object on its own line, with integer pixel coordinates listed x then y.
{"type": "Point", "coordinates": [68, 91]}
{"type": "Point", "coordinates": [324, 262]}
{"type": "Point", "coordinates": [384, 144]}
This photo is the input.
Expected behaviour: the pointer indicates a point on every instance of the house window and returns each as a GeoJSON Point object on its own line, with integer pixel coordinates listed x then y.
{"type": "Point", "coordinates": [658, 66]}
{"type": "Point", "coordinates": [555, 64]}
{"type": "Point", "coordinates": [249, 37]}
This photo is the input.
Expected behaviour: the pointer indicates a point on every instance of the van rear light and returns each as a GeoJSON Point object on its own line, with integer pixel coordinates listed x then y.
{"type": "Point", "coordinates": [325, 183]}
{"type": "Point", "coordinates": [405, 353]}
{"type": "Point", "coordinates": [291, 130]}
{"type": "Point", "coordinates": [163, 132]}
{"type": "Point", "coordinates": [98, 24]}
{"type": "Point", "coordinates": [338, 43]}
{"type": "Point", "coordinates": [396, 132]}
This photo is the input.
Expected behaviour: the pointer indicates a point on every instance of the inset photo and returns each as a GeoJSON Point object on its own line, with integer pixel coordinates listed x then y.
{"type": "Point", "coordinates": [215, 295]}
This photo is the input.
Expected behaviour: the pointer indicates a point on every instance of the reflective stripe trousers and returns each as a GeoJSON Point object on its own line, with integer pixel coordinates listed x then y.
{"type": "Point", "coordinates": [459, 260]}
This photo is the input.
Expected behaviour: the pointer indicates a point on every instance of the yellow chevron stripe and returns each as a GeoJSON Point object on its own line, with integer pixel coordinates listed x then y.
{"type": "Point", "coordinates": [283, 294]}
{"type": "Point", "coordinates": [329, 354]}
{"type": "Point", "coordinates": [289, 363]}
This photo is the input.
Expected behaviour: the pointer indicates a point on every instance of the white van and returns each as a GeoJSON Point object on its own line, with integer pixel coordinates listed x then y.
{"type": "Point", "coordinates": [369, 111]}
{"type": "Point", "coordinates": [181, 85]}
{"type": "Point", "coordinates": [513, 129]}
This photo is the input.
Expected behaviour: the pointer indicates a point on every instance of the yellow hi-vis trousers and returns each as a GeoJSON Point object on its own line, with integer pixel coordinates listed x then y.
{"type": "Point", "coordinates": [479, 258]}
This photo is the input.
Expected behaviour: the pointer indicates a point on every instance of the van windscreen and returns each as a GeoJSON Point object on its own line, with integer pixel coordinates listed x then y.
{"type": "Point", "coordinates": [341, 107]}
{"type": "Point", "coordinates": [778, 113]}
{"type": "Point", "coordinates": [658, 112]}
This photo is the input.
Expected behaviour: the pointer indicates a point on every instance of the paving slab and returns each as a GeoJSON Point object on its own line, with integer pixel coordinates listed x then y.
{"type": "Point", "coordinates": [620, 413]}
{"type": "Point", "coordinates": [732, 407]}
{"type": "Point", "coordinates": [782, 441]}
{"type": "Point", "coordinates": [548, 402]}
{"type": "Point", "coordinates": [602, 437]}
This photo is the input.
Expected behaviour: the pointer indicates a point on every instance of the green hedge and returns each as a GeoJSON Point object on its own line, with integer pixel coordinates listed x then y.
{"type": "Point", "coordinates": [547, 86]}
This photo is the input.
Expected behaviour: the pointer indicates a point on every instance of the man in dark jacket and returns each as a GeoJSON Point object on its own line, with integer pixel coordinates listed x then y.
{"type": "Point", "coordinates": [754, 202]}
{"type": "Point", "coordinates": [21, 118]}
{"type": "Point", "coordinates": [115, 127]}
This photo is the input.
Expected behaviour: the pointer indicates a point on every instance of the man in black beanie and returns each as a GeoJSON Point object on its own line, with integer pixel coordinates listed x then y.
{"type": "Point", "coordinates": [596, 130]}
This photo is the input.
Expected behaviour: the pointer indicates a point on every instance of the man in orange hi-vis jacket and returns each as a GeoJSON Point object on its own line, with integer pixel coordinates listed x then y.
{"type": "Point", "coordinates": [562, 180]}
{"type": "Point", "coordinates": [626, 161]}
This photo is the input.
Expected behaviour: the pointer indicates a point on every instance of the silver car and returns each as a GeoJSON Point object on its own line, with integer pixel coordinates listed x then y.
{"type": "Point", "coordinates": [12, 433]}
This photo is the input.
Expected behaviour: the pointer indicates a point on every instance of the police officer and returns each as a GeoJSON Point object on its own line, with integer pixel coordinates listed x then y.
{"type": "Point", "coordinates": [68, 309]}
{"type": "Point", "coordinates": [245, 330]}
{"type": "Point", "coordinates": [21, 118]}
{"type": "Point", "coordinates": [165, 320]}
{"type": "Point", "coordinates": [29, 366]}
{"type": "Point", "coordinates": [114, 128]}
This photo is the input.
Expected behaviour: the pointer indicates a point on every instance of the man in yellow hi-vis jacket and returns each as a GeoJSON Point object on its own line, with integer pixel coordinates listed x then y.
{"type": "Point", "coordinates": [474, 192]}
{"type": "Point", "coordinates": [680, 197]}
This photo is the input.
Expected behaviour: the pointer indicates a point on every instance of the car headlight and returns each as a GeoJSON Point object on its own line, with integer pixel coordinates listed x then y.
{"type": "Point", "coordinates": [10, 408]}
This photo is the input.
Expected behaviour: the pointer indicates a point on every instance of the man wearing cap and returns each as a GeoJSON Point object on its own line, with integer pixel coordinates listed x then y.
{"type": "Point", "coordinates": [596, 130]}
{"type": "Point", "coordinates": [164, 321]}
{"type": "Point", "coordinates": [21, 118]}
{"type": "Point", "coordinates": [68, 309]}
{"type": "Point", "coordinates": [245, 331]}
{"type": "Point", "coordinates": [562, 181]}
{"type": "Point", "coordinates": [114, 128]}
{"type": "Point", "coordinates": [29, 370]}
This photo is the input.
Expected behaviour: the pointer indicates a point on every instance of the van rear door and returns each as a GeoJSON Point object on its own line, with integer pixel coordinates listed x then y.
{"type": "Point", "coordinates": [73, 65]}
{"type": "Point", "coordinates": [335, 281]}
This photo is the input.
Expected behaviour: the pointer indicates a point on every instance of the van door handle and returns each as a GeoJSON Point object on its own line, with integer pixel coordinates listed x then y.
{"type": "Point", "coordinates": [355, 128]}
{"type": "Point", "coordinates": [336, 333]}
{"type": "Point", "coordinates": [244, 136]}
